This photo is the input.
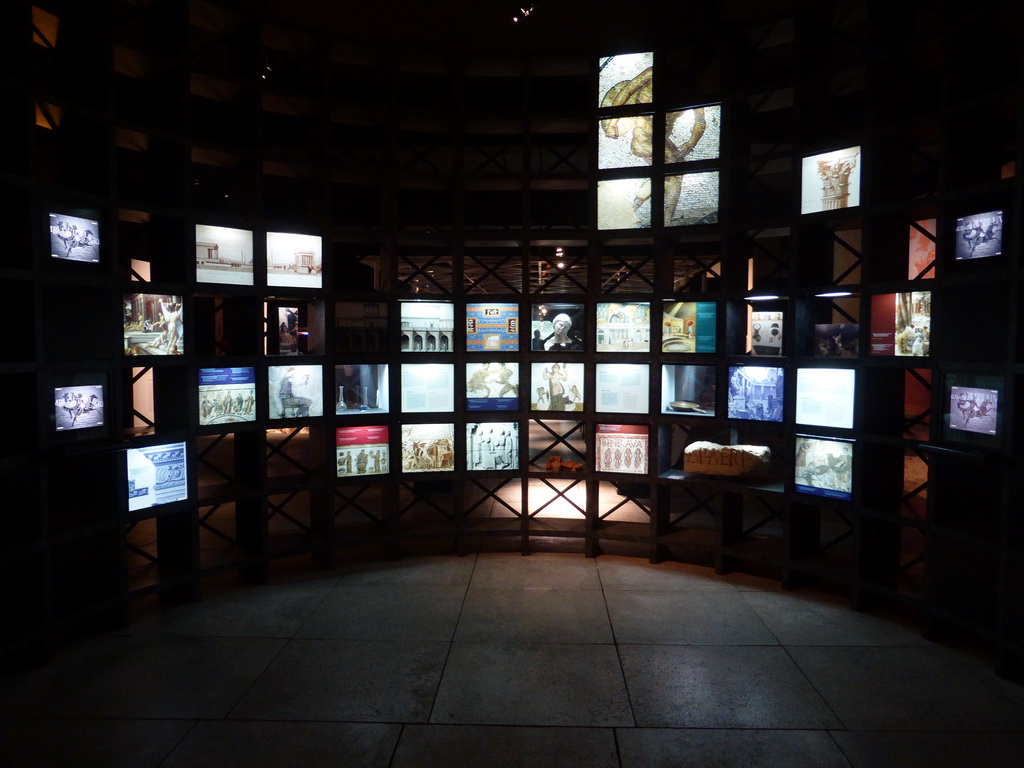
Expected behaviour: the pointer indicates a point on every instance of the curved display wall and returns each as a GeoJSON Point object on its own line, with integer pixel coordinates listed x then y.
{"type": "Point", "coordinates": [282, 295]}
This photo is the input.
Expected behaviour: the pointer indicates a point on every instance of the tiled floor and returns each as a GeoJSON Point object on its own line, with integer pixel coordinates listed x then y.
{"type": "Point", "coordinates": [501, 660]}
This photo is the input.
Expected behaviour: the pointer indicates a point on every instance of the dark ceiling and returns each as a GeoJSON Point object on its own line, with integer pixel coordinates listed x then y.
{"type": "Point", "coordinates": [485, 27]}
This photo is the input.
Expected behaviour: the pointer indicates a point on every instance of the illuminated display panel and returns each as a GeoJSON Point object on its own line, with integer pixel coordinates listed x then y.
{"type": "Point", "coordinates": [428, 388]}
{"type": "Point", "coordinates": [294, 260]}
{"type": "Point", "coordinates": [153, 324]}
{"type": "Point", "coordinates": [227, 395]}
{"type": "Point", "coordinates": [74, 238]}
{"type": "Point", "coordinates": [693, 134]}
{"type": "Point", "coordinates": [756, 392]}
{"type": "Point", "coordinates": [688, 326]}
{"type": "Point", "coordinates": [492, 445]}
{"type": "Point", "coordinates": [691, 199]}
{"type": "Point", "coordinates": [901, 324]}
{"type": "Point", "coordinates": [492, 327]}
{"type": "Point", "coordinates": [492, 386]}
{"type": "Point", "coordinates": [157, 474]}
{"type": "Point", "coordinates": [361, 450]}
{"type": "Point", "coordinates": [78, 407]}
{"type": "Point", "coordinates": [625, 79]}
{"type": "Point", "coordinates": [972, 409]}
{"type": "Point", "coordinates": [979, 236]}
{"type": "Point", "coordinates": [622, 388]}
{"type": "Point", "coordinates": [621, 448]}
{"type": "Point", "coordinates": [623, 327]}
{"type": "Point", "coordinates": [825, 397]}
{"type": "Point", "coordinates": [624, 203]}
{"type": "Point", "coordinates": [223, 255]}
{"type": "Point", "coordinates": [427, 326]}
{"type": "Point", "coordinates": [823, 467]}
{"type": "Point", "coordinates": [428, 447]}
{"type": "Point", "coordinates": [830, 181]}
{"type": "Point", "coordinates": [295, 391]}
{"type": "Point", "coordinates": [556, 386]}
{"type": "Point", "coordinates": [557, 327]}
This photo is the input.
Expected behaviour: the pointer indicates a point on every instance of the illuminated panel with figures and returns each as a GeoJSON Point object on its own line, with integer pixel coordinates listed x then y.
{"type": "Point", "coordinates": [361, 450]}
{"type": "Point", "coordinates": [557, 327]}
{"type": "Point", "coordinates": [227, 395]}
{"type": "Point", "coordinates": [556, 387]}
{"type": "Point", "coordinates": [75, 238]}
{"type": "Point", "coordinates": [971, 412]}
{"type": "Point", "coordinates": [823, 467]}
{"type": "Point", "coordinates": [428, 447]}
{"type": "Point", "coordinates": [492, 386]}
{"type": "Point", "coordinates": [492, 445]}
{"type": "Point", "coordinates": [78, 407]}
{"type": "Point", "coordinates": [295, 391]}
{"type": "Point", "coordinates": [756, 393]}
{"type": "Point", "coordinates": [153, 324]}
{"type": "Point", "coordinates": [979, 235]}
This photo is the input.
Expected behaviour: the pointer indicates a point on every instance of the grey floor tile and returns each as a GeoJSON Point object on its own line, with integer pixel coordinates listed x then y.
{"type": "Point", "coordinates": [426, 571]}
{"type": "Point", "coordinates": [633, 574]}
{"type": "Point", "coordinates": [550, 571]}
{"type": "Point", "coordinates": [100, 743]}
{"type": "Point", "coordinates": [706, 748]}
{"type": "Point", "coordinates": [232, 744]}
{"type": "Point", "coordinates": [532, 684]}
{"type": "Point", "coordinates": [256, 611]}
{"type": "Point", "coordinates": [920, 688]}
{"type": "Point", "coordinates": [720, 687]}
{"type": "Point", "coordinates": [931, 750]}
{"type": "Point", "coordinates": [468, 746]}
{"type": "Point", "coordinates": [811, 618]}
{"type": "Point", "coordinates": [534, 616]}
{"type": "Point", "coordinates": [150, 677]}
{"type": "Point", "coordinates": [359, 680]}
{"type": "Point", "coordinates": [386, 612]}
{"type": "Point", "coordinates": [686, 617]}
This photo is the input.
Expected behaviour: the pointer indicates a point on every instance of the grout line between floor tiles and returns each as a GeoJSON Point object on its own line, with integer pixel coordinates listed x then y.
{"type": "Point", "coordinates": [820, 695]}
{"type": "Point", "coordinates": [451, 641]}
{"type": "Point", "coordinates": [180, 741]}
{"type": "Point", "coordinates": [394, 749]}
{"type": "Point", "coordinates": [618, 654]}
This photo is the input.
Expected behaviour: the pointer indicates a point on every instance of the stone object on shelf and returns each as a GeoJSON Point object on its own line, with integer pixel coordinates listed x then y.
{"type": "Point", "coordinates": [706, 458]}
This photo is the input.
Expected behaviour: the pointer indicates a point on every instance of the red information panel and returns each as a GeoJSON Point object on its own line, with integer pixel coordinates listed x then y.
{"type": "Point", "coordinates": [362, 450]}
{"type": "Point", "coordinates": [622, 448]}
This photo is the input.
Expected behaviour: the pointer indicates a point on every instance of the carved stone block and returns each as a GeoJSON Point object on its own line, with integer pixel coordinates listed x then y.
{"type": "Point", "coordinates": [707, 458]}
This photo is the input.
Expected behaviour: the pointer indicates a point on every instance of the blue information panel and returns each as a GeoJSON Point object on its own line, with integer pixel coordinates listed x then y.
{"type": "Point", "coordinates": [492, 327]}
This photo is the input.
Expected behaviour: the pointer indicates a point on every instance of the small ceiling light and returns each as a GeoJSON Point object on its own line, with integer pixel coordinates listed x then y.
{"type": "Point", "coordinates": [833, 294]}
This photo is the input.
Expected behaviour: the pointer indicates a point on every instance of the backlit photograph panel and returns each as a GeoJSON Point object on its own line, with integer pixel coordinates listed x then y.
{"type": "Point", "coordinates": [223, 255]}
{"type": "Point", "coordinates": [623, 326]}
{"type": "Point", "coordinates": [74, 238]}
{"type": "Point", "coordinates": [294, 260]}
{"type": "Point", "coordinates": [830, 181]}
{"type": "Point", "coordinates": [153, 324]}
{"type": "Point", "coordinates": [693, 134]}
{"type": "Point", "coordinates": [691, 199]}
